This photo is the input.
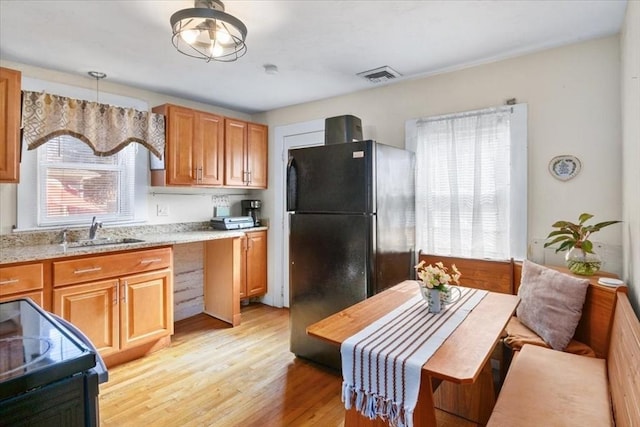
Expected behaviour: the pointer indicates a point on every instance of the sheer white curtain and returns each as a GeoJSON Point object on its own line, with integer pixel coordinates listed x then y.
{"type": "Point", "coordinates": [464, 185]}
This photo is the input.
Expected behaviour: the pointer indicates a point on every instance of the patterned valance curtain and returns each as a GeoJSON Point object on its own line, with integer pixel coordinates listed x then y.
{"type": "Point", "coordinates": [107, 129]}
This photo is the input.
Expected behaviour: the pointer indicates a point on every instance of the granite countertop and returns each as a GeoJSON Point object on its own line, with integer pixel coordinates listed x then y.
{"type": "Point", "coordinates": [13, 252]}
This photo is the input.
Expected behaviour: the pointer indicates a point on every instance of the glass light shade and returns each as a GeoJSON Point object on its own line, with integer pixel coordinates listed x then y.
{"type": "Point", "coordinates": [189, 36]}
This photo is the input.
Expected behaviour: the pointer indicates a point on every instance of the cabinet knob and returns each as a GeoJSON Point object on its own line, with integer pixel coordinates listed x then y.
{"type": "Point", "coordinates": [9, 281]}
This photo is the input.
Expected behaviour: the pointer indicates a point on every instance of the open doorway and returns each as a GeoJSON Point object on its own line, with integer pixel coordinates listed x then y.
{"type": "Point", "coordinates": [297, 135]}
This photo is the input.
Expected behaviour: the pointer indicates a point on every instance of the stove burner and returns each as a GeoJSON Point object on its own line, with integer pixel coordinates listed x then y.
{"type": "Point", "coordinates": [21, 352]}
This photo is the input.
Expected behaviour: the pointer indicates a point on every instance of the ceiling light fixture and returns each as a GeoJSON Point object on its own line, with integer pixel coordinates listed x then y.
{"type": "Point", "coordinates": [98, 75]}
{"type": "Point", "coordinates": [207, 32]}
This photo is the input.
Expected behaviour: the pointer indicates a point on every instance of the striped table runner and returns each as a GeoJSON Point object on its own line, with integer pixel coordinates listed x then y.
{"type": "Point", "coordinates": [381, 364]}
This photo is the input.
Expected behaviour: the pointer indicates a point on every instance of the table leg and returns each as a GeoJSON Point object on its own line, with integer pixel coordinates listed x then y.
{"type": "Point", "coordinates": [473, 402]}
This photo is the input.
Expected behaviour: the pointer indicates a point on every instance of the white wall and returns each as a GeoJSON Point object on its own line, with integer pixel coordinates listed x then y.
{"type": "Point", "coordinates": [573, 94]}
{"type": "Point", "coordinates": [196, 206]}
{"type": "Point", "coordinates": [630, 89]}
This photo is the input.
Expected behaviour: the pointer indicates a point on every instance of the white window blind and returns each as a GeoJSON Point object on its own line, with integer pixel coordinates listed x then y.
{"type": "Point", "coordinates": [75, 185]}
{"type": "Point", "coordinates": [471, 184]}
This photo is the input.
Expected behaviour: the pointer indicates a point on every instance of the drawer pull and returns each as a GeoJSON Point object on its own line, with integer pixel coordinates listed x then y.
{"type": "Point", "coordinates": [9, 281]}
{"type": "Point", "coordinates": [87, 270]}
{"type": "Point", "coordinates": [150, 261]}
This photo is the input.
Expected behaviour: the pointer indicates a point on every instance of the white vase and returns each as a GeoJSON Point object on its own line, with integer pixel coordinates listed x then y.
{"type": "Point", "coordinates": [435, 305]}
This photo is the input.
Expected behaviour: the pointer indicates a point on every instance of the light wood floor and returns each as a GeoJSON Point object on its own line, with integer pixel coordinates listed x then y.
{"type": "Point", "coordinates": [214, 375]}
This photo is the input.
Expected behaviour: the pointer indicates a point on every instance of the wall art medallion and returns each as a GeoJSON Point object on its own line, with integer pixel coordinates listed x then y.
{"type": "Point", "coordinates": [564, 167]}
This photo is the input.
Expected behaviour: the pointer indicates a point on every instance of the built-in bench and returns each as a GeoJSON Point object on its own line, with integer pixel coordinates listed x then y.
{"type": "Point", "coordinates": [546, 387]}
{"type": "Point", "coordinates": [475, 401]}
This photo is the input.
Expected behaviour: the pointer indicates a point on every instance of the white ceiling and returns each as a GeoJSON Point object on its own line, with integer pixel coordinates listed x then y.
{"type": "Point", "coordinates": [318, 46]}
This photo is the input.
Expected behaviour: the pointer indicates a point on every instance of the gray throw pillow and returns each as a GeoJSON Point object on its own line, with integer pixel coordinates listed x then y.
{"type": "Point", "coordinates": [550, 303]}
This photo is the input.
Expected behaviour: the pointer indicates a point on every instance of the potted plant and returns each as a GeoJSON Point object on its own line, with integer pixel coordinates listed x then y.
{"type": "Point", "coordinates": [574, 238]}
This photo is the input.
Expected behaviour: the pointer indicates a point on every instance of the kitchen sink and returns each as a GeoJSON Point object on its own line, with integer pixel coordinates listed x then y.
{"type": "Point", "coordinates": [102, 242]}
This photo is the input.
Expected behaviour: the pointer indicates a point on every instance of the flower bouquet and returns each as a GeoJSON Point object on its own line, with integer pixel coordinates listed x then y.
{"type": "Point", "coordinates": [434, 284]}
{"type": "Point", "coordinates": [438, 276]}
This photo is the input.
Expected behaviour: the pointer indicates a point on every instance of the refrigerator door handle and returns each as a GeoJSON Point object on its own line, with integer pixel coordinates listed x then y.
{"type": "Point", "coordinates": [292, 185]}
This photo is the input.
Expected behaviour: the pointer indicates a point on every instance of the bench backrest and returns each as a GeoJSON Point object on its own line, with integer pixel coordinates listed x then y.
{"type": "Point", "coordinates": [495, 276]}
{"type": "Point", "coordinates": [623, 364]}
{"type": "Point", "coordinates": [504, 276]}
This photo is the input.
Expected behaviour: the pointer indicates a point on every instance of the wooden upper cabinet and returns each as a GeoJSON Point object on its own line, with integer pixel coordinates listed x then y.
{"type": "Point", "coordinates": [211, 135]}
{"type": "Point", "coordinates": [181, 146]}
{"type": "Point", "coordinates": [194, 146]}
{"type": "Point", "coordinates": [245, 154]}
{"type": "Point", "coordinates": [235, 140]}
{"type": "Point", "coordinates": [204, 149]}
{"type": "Point", "coordinates": [257, 148]}
{"type": "Point", "coordinates": [10, 81]}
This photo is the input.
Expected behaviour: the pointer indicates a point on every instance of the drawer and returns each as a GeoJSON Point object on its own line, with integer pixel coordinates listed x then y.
{"type": "Point", "coordinates": [21, 278]}
{"type": "Point", "coordinates": [36, 296]}
{"type": "Point", "coordinates": [92, 268]}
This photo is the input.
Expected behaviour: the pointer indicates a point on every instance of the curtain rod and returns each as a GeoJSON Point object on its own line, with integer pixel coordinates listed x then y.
{"type": "Point", "coordinates": [156, 193]}
{"type": "Point", "coordinates": [485, 111]}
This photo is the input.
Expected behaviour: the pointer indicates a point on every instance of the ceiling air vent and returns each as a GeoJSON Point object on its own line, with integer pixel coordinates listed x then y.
{"type": "Point", "coordinates": [379, 75]}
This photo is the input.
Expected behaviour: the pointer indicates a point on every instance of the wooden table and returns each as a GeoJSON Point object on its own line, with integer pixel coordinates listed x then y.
{"type": "Point", "coordinates": [460, 359]}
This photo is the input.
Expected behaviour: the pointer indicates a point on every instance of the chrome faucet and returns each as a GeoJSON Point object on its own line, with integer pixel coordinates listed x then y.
{"type": "Point", "coordinates": [93, 228]}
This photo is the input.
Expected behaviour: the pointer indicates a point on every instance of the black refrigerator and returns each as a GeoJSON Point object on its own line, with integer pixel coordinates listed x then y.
{"type": "Point", "coordinates": [352, 222]}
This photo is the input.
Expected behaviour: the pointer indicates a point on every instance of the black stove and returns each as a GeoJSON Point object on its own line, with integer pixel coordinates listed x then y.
{"type": "Point", "coordinates": [40, 357]}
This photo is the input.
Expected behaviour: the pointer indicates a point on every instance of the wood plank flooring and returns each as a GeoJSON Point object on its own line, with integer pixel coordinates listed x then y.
{"type": "Point", "coordinates": [215, 375]}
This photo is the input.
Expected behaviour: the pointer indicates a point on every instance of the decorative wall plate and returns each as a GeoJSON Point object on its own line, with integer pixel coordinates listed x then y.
{"type": "Point", "coordinates": [564, 167]}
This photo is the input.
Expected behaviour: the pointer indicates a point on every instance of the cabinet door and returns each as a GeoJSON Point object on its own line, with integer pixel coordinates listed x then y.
{"type": "Point", "coordinates": [235, 136]}
{"type": "Point", "coordinates": [257, 148]}
{"type": "Point", "coordinates": [9, 125]}
{"type": "Point", "coordinates": [256, 270]}
{"type": "Point", "coordinates": [146, 307]}
{"type": "Point", "coordinates": [210, 149]}
{"type": "Point", "coordinates": [93, 308]}
{"type": "Point", "coordinates": [181, 169]}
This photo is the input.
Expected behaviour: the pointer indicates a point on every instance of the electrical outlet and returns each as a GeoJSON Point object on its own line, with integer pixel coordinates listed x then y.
{"type": "Point", "coordinates": [162, 210]}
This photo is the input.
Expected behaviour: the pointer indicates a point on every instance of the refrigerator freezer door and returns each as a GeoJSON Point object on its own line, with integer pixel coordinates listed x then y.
{"type": "Point", "coordinates": [330, 269]}
{"type": "Point", "coordinates": [332, 178]}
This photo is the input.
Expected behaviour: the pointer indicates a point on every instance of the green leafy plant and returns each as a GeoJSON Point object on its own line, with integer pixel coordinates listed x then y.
{"type": "Point", "coordinates": [569, 235]}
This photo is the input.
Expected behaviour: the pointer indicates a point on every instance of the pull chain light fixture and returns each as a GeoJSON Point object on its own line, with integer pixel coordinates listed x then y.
{"type": "Point", "coordinates": [207, 32]}
{"type": "Point", "coordinates": [98, 76]}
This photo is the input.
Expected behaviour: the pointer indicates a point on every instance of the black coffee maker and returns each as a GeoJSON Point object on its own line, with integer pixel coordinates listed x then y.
{"type": "Point", "coordinates": [252, 208]}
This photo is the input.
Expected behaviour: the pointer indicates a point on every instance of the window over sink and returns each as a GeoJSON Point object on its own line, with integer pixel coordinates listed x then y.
{"type": "Point", "coordinates": [75, 185]}
{"type": "Point", "coordinates": [63, 183]}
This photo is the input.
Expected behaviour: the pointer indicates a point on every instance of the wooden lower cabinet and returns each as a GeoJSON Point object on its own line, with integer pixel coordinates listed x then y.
{"type": "Point", "coordinates": [255, 265]}
{"type": "Point", "coordinates": [123, 302]}
{"type": "Point", "coordinates": [23, 281]}
{"type": "Point", "coordinates": [146, 309]}
{"type": "Point", "coordinates": [94, 309]}
{"type": "Point", "coordinates": [234, 269]}
{"type": "Point", "coordinates": [122, 313]}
